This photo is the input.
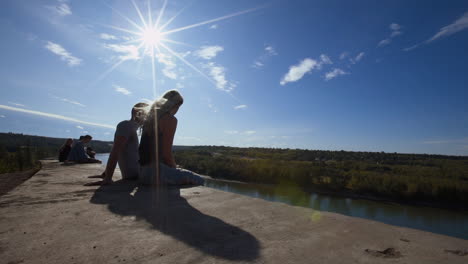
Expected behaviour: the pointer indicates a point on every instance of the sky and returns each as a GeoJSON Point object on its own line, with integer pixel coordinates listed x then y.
{"type": "Point", "coordinates": [329, 75]}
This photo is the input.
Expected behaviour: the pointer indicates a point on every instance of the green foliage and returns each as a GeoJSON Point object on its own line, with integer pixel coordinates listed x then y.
{"type": "Point", "coordinates": [415, 177]}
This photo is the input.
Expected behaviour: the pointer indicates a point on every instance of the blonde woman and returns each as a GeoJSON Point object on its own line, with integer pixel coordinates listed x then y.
{"type": "Point", "coordinates": [156, 144]}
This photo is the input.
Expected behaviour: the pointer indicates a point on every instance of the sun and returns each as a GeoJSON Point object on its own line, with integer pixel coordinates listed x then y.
{"type": "Point", "coordinates": [151, 37]}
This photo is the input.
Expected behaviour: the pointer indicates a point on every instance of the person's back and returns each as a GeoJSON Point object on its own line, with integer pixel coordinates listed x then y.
{"type": "Point", "coordinates": [65, 150]}
{"type": "Point", "coordinates": [77, 152]}
{"type": "Point", "coordinates": [128, 158]}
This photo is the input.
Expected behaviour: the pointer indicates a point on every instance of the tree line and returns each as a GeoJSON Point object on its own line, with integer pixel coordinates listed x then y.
{"type": "Point", "coordinates": [405, 177]}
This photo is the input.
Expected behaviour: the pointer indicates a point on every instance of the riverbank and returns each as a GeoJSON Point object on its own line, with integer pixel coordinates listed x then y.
{"type": "Point", "coordinates": [53, 218]}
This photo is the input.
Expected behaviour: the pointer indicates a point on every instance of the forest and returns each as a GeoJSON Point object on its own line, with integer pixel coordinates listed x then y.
{"type": "Point", "coordinates": [423, 178]}
{"type": "Point", "coordinates": [391, 176]}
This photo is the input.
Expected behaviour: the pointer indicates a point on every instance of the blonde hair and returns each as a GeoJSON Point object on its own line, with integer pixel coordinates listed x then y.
{"type": "Point", "coordinates": [163, 105]}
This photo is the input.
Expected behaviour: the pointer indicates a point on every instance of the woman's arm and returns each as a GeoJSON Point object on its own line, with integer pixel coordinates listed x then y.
{"type": "Point", "coordinates": [168, 127]}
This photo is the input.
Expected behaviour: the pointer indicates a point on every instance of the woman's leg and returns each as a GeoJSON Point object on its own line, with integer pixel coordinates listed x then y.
{"type": "Point", "coordinates": [177, 176]}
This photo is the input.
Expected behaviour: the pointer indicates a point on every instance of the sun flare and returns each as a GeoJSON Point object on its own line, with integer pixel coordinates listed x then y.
{"type": "Point", "coordinates": [151, 37]}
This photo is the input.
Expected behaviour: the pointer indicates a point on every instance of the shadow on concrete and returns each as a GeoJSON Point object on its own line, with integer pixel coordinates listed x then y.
{"type": "Point", "coordinates": [172, 215]}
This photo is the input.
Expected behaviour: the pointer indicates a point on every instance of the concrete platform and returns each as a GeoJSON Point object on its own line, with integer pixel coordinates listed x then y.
{"type": "Point", "coordinates": [54, 218]}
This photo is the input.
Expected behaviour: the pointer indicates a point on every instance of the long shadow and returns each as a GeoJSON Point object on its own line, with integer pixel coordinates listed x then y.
{"type": "Point", "coordinates": [171, 214]}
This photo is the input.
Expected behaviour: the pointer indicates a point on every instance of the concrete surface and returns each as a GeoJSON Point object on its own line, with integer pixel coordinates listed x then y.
{"type": "Point", "coordinates": [54, 218]}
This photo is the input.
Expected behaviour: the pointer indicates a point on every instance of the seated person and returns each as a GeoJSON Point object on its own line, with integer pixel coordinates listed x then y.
{"type": "Point", "coordinates": [65, 150]}
{"type": "Point", "coordinates": [153, 153]}
{"type": "Point", "coordinates": [77, 152]}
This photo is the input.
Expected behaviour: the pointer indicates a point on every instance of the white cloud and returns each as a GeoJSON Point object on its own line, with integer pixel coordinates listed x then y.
{"type": "Point", "coordinates": [64, 54]}
{"type": "Point", "coordinates": [69, 101]}
{"type": "Point", "coordinates": [240, 107]}
{"type": "Point", "coordinates": [357, 58]}
{"type": "Point", "coordinates": [258, 64]}
{"type": "Point", "coordinates": [412, 47]}
{"type": "Point", "coordinates": [121, 90]}
{"type": "Point", "coordinates": [249, 132]}
{"type": "Point", "coordinates": [106, 36]}
{"type": "Point", "coordinates": [218, 73]}
{"type": "Point", "coordinates": [296, 72]}
{"type": "Point", "coordinates": [268, 52]}
{"type": "Point", "coordinates": [343, 55]}
{"type": "Point", "coordinates": [394, 27]}
{"type": "Point", "coordinates": [208, 52]}
{"type": "Point", "coordinates": [17, 104]}
{"type": "Point", "coordinates": [169, 65]}
{"type": "Point", "coordinates": [49, 115]}
{"type": "Point", "coordinates": [334, 73]}
{"type": "Point", "coordinates": [80, 127]}
{"type": "Point", "coordinates": [324, 59]}
{"type": "Point", "coordinates": [2, 116]}
{"type": "Point", "coordinates": [459, 25]}
{"type": "Point", "coordinates": [395, 31]}
{"type": "Point", "coordinates": [384, 42]}
{"type": "Point", "coordinates": [128, 52]}
{"type": "Point", "coordinates": [214, 26]}
{"type": "Point", "coordinates": [62, 9]}
{"type": "Point", "coordinates": [179, 85]}
{"type": "Point", "coordinates": [231, 132]}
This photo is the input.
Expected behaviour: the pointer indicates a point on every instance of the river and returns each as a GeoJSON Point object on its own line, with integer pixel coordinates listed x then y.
{"type": "Point", "coordinates": [441, 221]}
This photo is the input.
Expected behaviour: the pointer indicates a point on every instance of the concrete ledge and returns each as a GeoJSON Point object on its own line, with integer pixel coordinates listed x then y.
{"type": "Point", "coordinates": [53, 218]}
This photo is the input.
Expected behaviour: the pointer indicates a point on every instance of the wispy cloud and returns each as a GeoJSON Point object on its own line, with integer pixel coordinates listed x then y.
{"type": "Point", "coordinates": [68, 101]}
{"type": "Point", "coordinates": [208, 52]}
{"type": "Point", "coordinates": [334, 73]}
{"type": "Point", "coordinates": [324, 59]}
{"type": "Point", "coordinates": [215, 26]}
{"type": "Point", "coordinates": [384, 42]}
{"type": "Point", "coordinates": [80, 127]}
{"type": "Point", "coordinates": [412, 47]}
{"type": "Point", "coordinates": [106, 36]}
{"type": "Point", "coordinates": [63, 54]}
{"type": "Point", "coordinates": [357, 58]}
{"type": "Point", "coordinates": [62, 8]}
{"type": "Point", "coordinates": [249, 132]}
{"type": "Point", "coordinates": [447, 141]}
{"type": "Point", "coordinates": [231, 132]}
{"type": "Point", "coordinates": [395, 31]}
{"type": "Point", "coordinates": [343, 55]}
{"type": "Point", "coordinates": [121, 90]}
{"type": "Point", "coordinates": [268, 52]}
{"type": "Point", "coordinates": [55, 116]}
{"type": "Point", "coordinates": [2, 116]}
{"type": "Point", "coordinates": [218, 73]}
{"type": "Point", "coordinates": [240, 107]}
{"type": "Point", "coordinates": [457, 26]}
{"type": "Point", "coordinates": [169, 65]}
{"type": "Point", "coordinates": [296, 72]}
{"type": "Point", "coordinates": [17, 104]}
{"type": "Point", "coordinates": [127, 52]}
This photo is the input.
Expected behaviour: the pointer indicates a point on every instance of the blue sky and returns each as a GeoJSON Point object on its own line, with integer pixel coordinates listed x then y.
{"type": "Point", "coordinates": [354, 75]}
